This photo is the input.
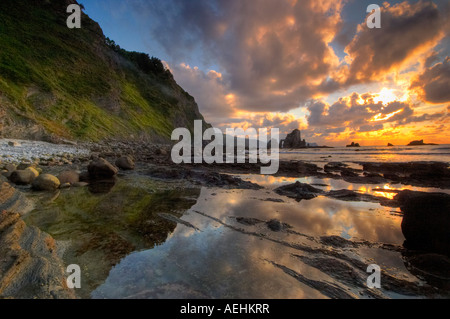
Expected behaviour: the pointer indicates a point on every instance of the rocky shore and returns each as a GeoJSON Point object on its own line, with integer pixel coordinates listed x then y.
{"type": "Point", "coordinates": [29, 265]}
{"type": "Point", "coordinates": [31, 268]}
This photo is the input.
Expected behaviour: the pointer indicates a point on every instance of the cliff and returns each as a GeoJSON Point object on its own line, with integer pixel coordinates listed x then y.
{"type": "Point", "coordinates": [61, 83]}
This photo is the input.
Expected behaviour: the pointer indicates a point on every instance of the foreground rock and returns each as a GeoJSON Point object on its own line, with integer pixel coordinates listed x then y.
{"type": "Point", "coordinates": [12, 200]}
{"type": "Point", "coordinates": [46, 182]}
{"type": "Point", "coordinates": [22, 177]}
{"type": "Point", "coordinates": [29, 266]}
{"type": "Point", "coordinates": [125, 163]}
{"type": "Point", "coordinates": [299, 191]}
{"type": "Point", "coordinates": [71, 177]}
{"type": "Point", "coordinates": [427, 174]}
{"type": "Point", "coordinates": [204, 178]}
{"type": "Point", "coordinates": [426, 220]}
{"type": "Point", "coordinates": [101, 168]}
{"type": "Point", "coordinates": [352, 196]}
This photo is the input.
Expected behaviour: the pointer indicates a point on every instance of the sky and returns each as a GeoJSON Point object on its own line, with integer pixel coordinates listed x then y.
{"type": "Point", "coordinates": [312, 65]}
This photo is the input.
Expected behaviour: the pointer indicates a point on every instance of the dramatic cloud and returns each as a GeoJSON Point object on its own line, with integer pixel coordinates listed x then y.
{"type": "Point", "coordinates": [259, 62]}
{"type": "Point", "coordinates": [209, 91]}
{"type": "Point", "coordinates": [271, 53]}
{"type": "Point", "coordinates": [407, 30]}
{"type": "Point", "coordinates": [434, 83]}
{"type": "Point", "coordinates": [359, 113]}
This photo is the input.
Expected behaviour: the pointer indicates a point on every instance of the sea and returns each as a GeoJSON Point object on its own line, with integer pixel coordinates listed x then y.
{"type": "Point", "coordinates": [426, 153]}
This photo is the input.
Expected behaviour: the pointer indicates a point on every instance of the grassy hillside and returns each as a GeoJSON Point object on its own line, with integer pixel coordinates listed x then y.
{"type": "Point", "coordinates": [75, 84]}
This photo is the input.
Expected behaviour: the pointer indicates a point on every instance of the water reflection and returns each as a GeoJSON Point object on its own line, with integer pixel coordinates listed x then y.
{"type": "Point", "coordinates": [96, 230]}
{"type": "Point", "coordinates": [330, 184]}
{"type": "Point", "coordinates": [226, 259]}
{"type": "Point", "coordinates": [103, 186]}
{"type": "Point", "coordinates": [128, 249]}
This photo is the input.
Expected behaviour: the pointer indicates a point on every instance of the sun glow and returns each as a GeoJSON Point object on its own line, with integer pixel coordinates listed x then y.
{"type": "Point", "coordinates": [386, 96]}
{"type": "Point", "coordinates": [383, 117]}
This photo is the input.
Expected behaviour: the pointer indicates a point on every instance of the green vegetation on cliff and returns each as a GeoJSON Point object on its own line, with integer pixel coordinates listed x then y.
{"type": "Point", "coordinates": [77, 84]}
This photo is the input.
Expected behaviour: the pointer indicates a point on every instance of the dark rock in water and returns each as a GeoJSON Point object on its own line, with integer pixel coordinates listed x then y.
{"type": "Point", "coordinates": [334, 167]}
{"type": "Point", "coordinates": [351, 196]}
{"type": "Point", "coordinates": [70, 177]}
{"type": "Point", "coordinates": [372, 175]}
{"type": "Point", "coordinates": [426, 220]}
{"type": "Point", "coordinates": [273, 200]}
{"type": "Point", "coordinates": [125, 163]}
{"type": "Point", "coordinates": [348, 173]}
{"type": "Point", "coordinates": [390, 145]}
{"type": "Point", "coordinates": [205, 178]}
{"type": "Point", "coordinates": [248, 221]}
{"type": "Point", "coordinates": [101, 168]}
{"type": "Point", "coordinates": [419, 143]}
{"type": "Point", "coordinates": [275, 225]}
{"type": "Point", "coordinates": [337, 242]}
{"type": "Point", "coordinates": [46, 182]}
{"type": "Point", "coordinates": [392, 177]}
{"type": "Point", "coordinates": [22, 177]}
{"type": "Point", "coordinates": [434, 268]}
{"type": "Point", "coordinates": [294, 140]}
{"type": "Point", "coordinates": [299, 191]}
{"type": "Point", "coordinates": [427, 174]}
{"type": "Point", "coordinates": [354, 145]}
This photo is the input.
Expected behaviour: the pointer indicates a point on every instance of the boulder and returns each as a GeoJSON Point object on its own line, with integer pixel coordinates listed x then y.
{"type": "Point", "coordinates": [33, 171]}
{"type": "Point", "coordinates": [298, 191]}
{"type": "Point", "coordinates": [70, 177]}
{"type": "Point", "coordinates": [125, 163]}
{"type": "Point", "coordinates": [46, 182]}
{"type": "Point", "coordinates": [101, 168]}
{"type": "Point", "coordinates": [30, 265]}
{"type": "Point", "coordinates": [13, 144]}
{"type": "Point", "coordinates": [275, 225]}
{"type": "Point", "coordinates": [10, 167]}
{"type": "Point", "coordinates": [22, 177]}
{"type": "Point", "coordinates": [426, 220]}
{"type": "Point", "coordinates": [24, 165]}
{"type": "Point", "coordinates": [12, 200]}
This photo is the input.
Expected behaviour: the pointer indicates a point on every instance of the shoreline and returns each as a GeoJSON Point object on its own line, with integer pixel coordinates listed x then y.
{"type": "Point", "coordinates": [434, 174]}
{"type": "Point", "coordinates": [281, 210]}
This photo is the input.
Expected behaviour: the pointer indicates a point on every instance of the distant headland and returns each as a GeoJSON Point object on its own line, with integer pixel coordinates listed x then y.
{"type": "Point", "coordinates": [420, 143]}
